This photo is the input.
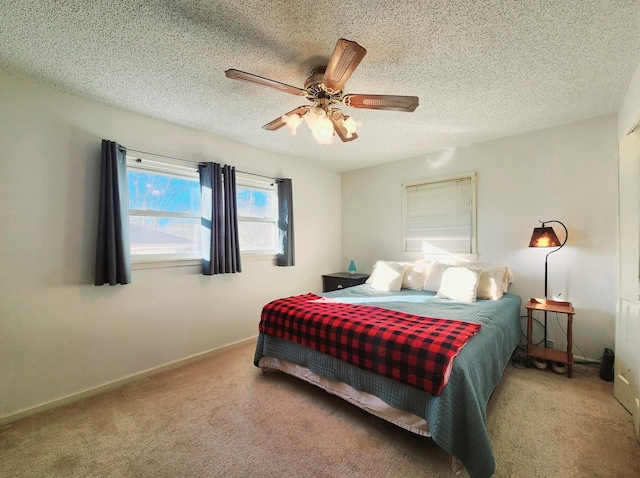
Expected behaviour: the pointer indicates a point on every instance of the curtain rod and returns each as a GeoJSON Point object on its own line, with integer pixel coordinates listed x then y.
{"type": "Point", "coordinates": [193, 162]}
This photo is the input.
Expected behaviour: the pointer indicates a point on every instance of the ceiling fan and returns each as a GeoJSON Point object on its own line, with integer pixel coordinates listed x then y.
{"type": "Point", "coordinates": [324, 89]}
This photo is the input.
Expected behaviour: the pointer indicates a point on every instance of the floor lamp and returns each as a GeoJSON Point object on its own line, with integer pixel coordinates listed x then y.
{"type": "Point", "coordinates": [546, 237]}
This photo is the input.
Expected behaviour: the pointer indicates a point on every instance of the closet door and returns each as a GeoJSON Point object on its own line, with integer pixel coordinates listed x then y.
{"type": "Point", "coordinates": [627, 356]}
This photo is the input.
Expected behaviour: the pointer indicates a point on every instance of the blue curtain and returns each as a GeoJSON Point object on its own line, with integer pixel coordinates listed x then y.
{"type": "Point", "coordinates": [220, 245]}
{"type": "Point", "coordinates": [286, 256]}
{"type": "Point", "coordinates": [232, 242]}
{"type": "Point", "coordinates": [113, 262]}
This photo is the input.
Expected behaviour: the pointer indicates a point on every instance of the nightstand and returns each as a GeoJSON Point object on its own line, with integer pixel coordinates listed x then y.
{"type": "Point", "coordinates": [342, 280]}
{"type": "Point", "coordinates": [542, 352]}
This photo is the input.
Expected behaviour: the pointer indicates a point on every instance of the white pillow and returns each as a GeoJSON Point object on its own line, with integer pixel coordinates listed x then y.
{"type": "Point", "coordinates": [373, 272]}
{"type": "Point", "coordinates": [507, 279]}
{"type": "Point", "coordinates": [491, 283]}
{"type": "Point", "coordinates": [434, 276]}
{"type": "Point", "coordinates": [495, 270]}
{"type": "Point", "coordinates": [387, 275]}
{"type": "Point", "coordinates": [459, 283]}
{"type": "Point", "coordinates": [415, 274]}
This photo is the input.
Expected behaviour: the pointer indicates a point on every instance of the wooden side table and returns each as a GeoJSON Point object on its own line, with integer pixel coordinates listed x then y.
{"type": "Point", "coordinates": [542, 352]}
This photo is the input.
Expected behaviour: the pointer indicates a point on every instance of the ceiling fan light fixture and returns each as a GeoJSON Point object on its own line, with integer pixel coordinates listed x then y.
{"type": "Point", "coordinates": [323, 121]}
{"type": "Point", "coordinates": [324, 88]}
{"type": "Point", "coordinates": [320, 125]}
{"type": "Point", "coordinates": [350, 125]}
{"type": "Point", "coordinates": [323, 131]}
{"type": "Point", "coordinates": [292, 122]}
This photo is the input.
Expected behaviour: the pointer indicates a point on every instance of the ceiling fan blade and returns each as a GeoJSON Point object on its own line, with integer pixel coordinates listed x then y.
{"type": "Point", "coordinates": [344, 60]}
{"type": "Point", "coordinates": [339, 128]}
{"type": "Point", "coordinates": [382, 102]}
{"type": "Point", "coordinates": [241, 75]}
{"type": "Point", "coordinates": [278, 123]}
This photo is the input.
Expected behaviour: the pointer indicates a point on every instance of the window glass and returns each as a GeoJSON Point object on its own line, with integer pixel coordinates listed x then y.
{"type": "Point", "coordinates": [256, 203]}
{"type": "Point", "coordinates": [163, 192]}
{"type": "Point", "coordinates": [257, 236]}
{"type": "Point", "coordinates": [257, 216]}
{"type": "Point", "coordinates": [164, 214]}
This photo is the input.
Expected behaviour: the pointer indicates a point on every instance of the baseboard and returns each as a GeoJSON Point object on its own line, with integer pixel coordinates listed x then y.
{"type": "Point", "coordinates": [106, 387]}
{"type": "Point", "coordinates": [579, 359]}
{"type": "Point", "coordinates": [592, 361]}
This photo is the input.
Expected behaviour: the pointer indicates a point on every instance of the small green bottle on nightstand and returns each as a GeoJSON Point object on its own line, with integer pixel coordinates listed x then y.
{"type": "Point", "coordinates": [352, 267]}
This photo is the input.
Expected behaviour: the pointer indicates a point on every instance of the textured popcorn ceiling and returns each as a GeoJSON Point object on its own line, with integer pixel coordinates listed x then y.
{"type": "Point", "coordinates": [482, 69]}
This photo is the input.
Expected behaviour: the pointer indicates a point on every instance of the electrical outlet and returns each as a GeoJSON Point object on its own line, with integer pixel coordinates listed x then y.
{"type": "Point", "coordinates": [550, 343]}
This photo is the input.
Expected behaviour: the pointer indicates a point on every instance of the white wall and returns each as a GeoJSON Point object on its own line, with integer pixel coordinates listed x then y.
{"type": "Point", "coordinates": [567, 173]}
{"type": "Point", "coordinates": [59, 334]}
{"type": "Point", "coordinates": [629, 114]}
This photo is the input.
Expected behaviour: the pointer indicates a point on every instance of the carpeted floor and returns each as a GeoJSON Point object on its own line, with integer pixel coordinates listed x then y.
{"type": "Point", "coordinates": [222, 417]}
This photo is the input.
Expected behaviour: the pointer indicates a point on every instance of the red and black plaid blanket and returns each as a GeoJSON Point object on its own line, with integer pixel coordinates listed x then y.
{"type": "Point", "coordinates": [414, 350]}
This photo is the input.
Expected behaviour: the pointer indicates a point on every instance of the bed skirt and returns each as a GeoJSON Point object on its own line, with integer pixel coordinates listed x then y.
{"type": "Point", "coordinates": [366, 401]}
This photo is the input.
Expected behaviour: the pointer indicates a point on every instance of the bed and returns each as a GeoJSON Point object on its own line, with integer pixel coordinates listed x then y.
{"type": "Point", "coordinates": [456, 418]}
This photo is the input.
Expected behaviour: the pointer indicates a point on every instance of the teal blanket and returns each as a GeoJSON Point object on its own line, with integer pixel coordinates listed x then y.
{"type": "Point", "coordinates": [457, 417]}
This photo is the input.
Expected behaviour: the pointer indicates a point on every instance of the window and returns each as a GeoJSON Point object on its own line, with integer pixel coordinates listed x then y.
{"type": "Point", "coordinates": [257, 215]}
{"type": "Point", "coordinates": [439, 216]}
{"type": "Point", "coordinates": [164, 212]}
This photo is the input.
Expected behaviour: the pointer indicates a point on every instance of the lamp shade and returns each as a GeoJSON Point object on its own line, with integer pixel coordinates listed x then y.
{"type": "Point", "coordinates": [544, 237]}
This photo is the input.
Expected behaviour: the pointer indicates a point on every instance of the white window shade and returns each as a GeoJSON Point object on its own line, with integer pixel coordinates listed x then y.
{"type": "Point", "coordinates": [439, 216]}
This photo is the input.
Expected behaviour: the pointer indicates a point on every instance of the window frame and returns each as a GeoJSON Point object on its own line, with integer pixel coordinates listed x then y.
{"type": "Point", "coordinates": [473, 253]}
{"type": "Point", "coordinates": [271, 186]}
{"type": "Point", "coordinates": [171, 168]}
{"type": "Point", "coordinates": [180, 169]}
